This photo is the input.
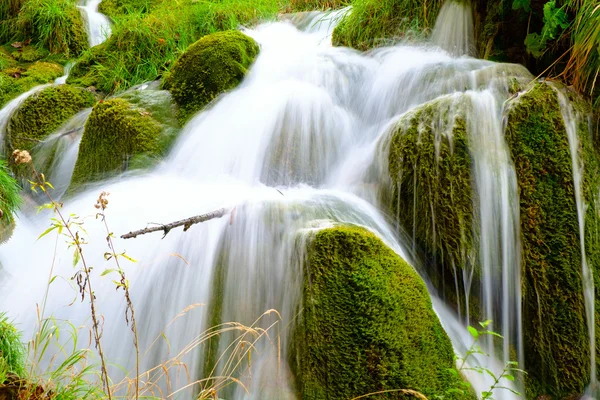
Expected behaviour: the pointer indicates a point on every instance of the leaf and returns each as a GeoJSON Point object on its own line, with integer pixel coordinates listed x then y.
{"type": "Point", "coordinates": [473, 332]}
{"type": "Point", "coordinates": [486, 323]}
{"type": "Point", "coordinates": [47, 231]}
{"type": "Point", "coordinates": [106, 272]}
{"type": "Point", "coordinates": [554, 18]}
{"type": "Point", "coordinates": [128, 258]}
{"type": "Point", "coordinates": [524, 4]}
{"type": "Point", "coordinates": [76, 257]}
{"type": "Point", "coordinates": [535, 44]}
{"type": "Point", "coordinates": [509, 377]}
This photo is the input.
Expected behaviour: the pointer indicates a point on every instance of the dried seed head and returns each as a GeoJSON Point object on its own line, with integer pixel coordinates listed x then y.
{"type": "Point", "coordinates": [21, 157]}
{"type": "Point", "coordinates": [102, 201]}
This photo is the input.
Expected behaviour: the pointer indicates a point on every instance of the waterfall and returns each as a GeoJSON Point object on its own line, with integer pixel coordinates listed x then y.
{"type": "Point", "coordinates": [97, 23]}
{"type": "Point", "coordinates": [572, 120]}
{"type": "Point", "coordinates": [454, 30]}
{"type": "Point", "coordinates": [298, 146]}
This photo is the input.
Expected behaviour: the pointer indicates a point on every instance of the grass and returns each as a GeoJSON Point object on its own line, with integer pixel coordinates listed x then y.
{"type": "Point", "coordinates": [584, 64]}
{"type": "Point", "coordinates": [375, 22]}
{"type": "Point", "coordinates": [144, 45]}
{"type": "Point", "coordinates": [12, 351]}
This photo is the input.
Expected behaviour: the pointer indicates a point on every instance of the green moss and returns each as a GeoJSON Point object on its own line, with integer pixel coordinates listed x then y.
{"type": "Point", "coordinates": [44, 112]}
{"type": "Point", "coordinates": [10, 200]}
{"type": "Point", "coordinates": [213, 65]}
{"type": "Point", "coordinates": [367, 323]}
{"type": "Point", "coordinates": [56, 25]}
{"type": "Point", "coordinates": [116, 8]}
{"type": "Point", "coordinates": [555, 333]}
{"type": "Point", "coordinates": [14, 81]}
{"type": "Point", "coordinates": [30, 54]}
{"type": "Point", "coordinates": [160, 105]}
{"type": "Point", "coordinates": [375, 22]}
{"type": "Point", "coordinates": [430, 172]}
{"type": "Point", "coordinates": [116, 134]}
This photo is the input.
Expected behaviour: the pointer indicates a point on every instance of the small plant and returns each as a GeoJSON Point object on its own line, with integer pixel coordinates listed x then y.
{"type": "Point", "coordinates": [507, 373]}
{"type": "Point", "coordinates": [12, 351]}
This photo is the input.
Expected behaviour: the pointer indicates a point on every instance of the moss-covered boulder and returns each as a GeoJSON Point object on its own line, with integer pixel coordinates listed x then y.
{"type": "Point", "coordinates": [56, 25]}
{"type": "Point", "coordinates": [10, 200]}
{"type": "Point", "coordinates": [44, 112]}
{"type": "Point", "coordinates": [557, 355]}
{"type": "Point", "coordinates": [373, 23]}
{"type": "Point", "coordinates": [17, 80]}
{"type": "Point", "coordinates": [116, 136]}
{"type": "Point", "coordinates": [367, 323]}
{"type": "Point", "coordinates": [213, 65]}
{"type": "Point", "coordinates": [431, 193]}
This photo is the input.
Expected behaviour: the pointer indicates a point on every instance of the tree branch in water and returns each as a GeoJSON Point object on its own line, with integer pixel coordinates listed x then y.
{"type": "Point", "coordinates": [186, 223]}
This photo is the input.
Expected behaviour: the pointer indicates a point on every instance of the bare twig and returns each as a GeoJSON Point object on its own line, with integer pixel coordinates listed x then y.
{"type": "Point", "coordinates": [186, 223]}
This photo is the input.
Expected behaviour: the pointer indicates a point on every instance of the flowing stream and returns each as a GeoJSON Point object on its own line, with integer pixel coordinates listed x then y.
{"type": "Point", "coordinates": [97, 23]}
{"type": "Point", "coordinates": [300, 145]}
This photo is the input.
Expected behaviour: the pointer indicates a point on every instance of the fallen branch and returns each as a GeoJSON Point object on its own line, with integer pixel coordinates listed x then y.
{"type": "Point", "coordinates": [186, 223]}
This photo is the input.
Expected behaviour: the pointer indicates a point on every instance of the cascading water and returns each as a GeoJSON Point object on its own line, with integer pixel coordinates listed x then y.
{"type": "Point", "coordinates": [298, 146]}
{"type": "Point", "coordinates": [97, 23]}
{"type": "Point", "coordinates": [454, 31]}
{"type": "Point", "coordinates": [572, 119]}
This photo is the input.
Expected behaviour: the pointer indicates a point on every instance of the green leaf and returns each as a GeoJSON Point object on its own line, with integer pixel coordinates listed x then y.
{"type": "Point", "coordinates": [524, 4]}
{"type": "Point", "coordinates": [535, 44]}
{"type": "Point", "coordinates": [473, 332]}
{"type": "Point", "coordinates": [76, 257]}
{"type": "Point", "coordinates": [509, 377]}
{"type": "Point", "coordinates": [108, 271]}
{"type": "Point", "coordinates": [554, 18]}
{"type": "Point", "coordinates": [47, 231]}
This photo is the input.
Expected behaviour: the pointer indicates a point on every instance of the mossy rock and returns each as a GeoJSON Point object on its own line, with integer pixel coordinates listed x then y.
{"type": "Point", "coordinates": [43, 113]}
{"type": "Point", "coordinates": [117, 8]}
{"type": "Point", "coordinates": [367, 323]}
{"type": "Point", "coordinates": [373, 23]}
{"type": "Point", "coordinates": [556, 338]}
{"type": "Point", "coordinates": [15, 81]}
{"type": "Point", "coordinates": [30, 54]}
{"type": "Point", "coordinates": [10, 200]}
{"type": "Point", "coordinates": [430, 176]}
{"type": "Point", "coordinates": [54, 25]}
{"type": "Point", "coordinates": [116, 136]}
{"type": "Point", "coordinates": [213, 65]}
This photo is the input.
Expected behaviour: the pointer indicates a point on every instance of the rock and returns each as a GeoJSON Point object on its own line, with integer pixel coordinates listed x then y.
{"type": "Point", "coordinates": [213, 65]}
{"type": "Point", "coordinates": [366, 323]}
{"type": "Point", "coordinates": [42, 113]}
{"type": "Point", "coordinates": [14, 81]}
{"type": "Point", "coordinates": [430, 177]}
{"type": "Point", "coordinates": [116, 136]}
{"type": "Point", "coordinates": [556, 338]}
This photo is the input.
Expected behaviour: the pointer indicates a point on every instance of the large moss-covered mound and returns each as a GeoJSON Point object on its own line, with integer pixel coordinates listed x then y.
{"type": "Point", "coordinates": [10, 200]}
{"type": "Point", "coordinates": [431, 191]}
{"type": "Point", "coordinates": [214, 64]}
{"type": "Point", "coordinates": [42, 113]}
{"type": "Point", "coordinates": [56, 25]}
{"type": "Point", "coordinates": [367, 323]}
{"type": "Point", "coordinates": [17, 80]}
{"type": "Point", "coordinates": [115, 135]}
{"type": "Point", "coordinates": [373, 23]}
{"type": "Point", "coordinates": [144, 46]}
{"type": "Point", "coordinates": [556, 337]}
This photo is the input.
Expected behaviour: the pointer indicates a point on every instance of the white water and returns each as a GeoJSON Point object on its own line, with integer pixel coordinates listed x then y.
{"type": "Point", "coordinates": [293, 148]}
{"type": "Point", "coordinates": [57, 154]}
{"type": "Point", "coordinates": [454, 30]}
{"type": "Point", "coordinates": [572, 120]}
{"type": "Point", "coordinates": [97, 23]}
